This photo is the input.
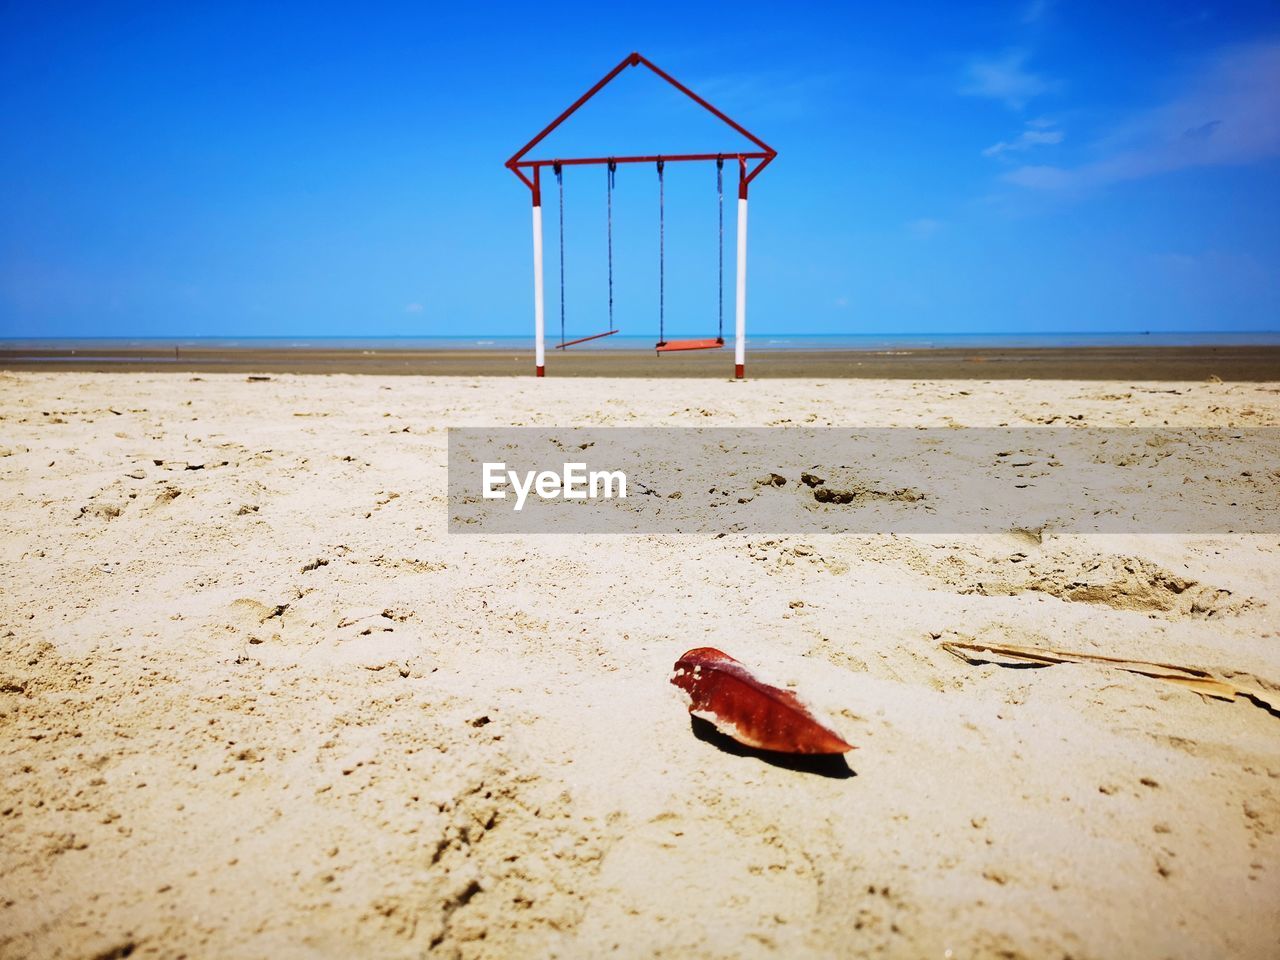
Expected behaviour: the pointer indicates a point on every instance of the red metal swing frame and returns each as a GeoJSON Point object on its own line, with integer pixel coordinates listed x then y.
{"type": "Point", "coordinates": [530, 171]}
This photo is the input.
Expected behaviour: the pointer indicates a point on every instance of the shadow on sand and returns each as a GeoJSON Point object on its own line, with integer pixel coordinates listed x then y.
{"type": "Point", "coordinates": [823, 765]}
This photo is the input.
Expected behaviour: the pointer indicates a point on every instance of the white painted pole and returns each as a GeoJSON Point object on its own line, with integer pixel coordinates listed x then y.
{"type": "Point", "coordinates": [539, 316]}
{"type": "Point", "coordinates": [740, 321]}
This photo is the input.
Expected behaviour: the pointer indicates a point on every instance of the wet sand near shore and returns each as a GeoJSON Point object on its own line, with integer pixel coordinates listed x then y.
{"type": "Point", "coordinates": [1228, 363]}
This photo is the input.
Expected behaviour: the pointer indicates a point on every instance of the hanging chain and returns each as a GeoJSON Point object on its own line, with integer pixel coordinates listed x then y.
{"type": "Point", "coordinates": [720, 201]}
{"type": "Point", "coordinates": [560, 186]}
{"type": "Point", "coordinates": [613, 167]}
{"type": "Point", "coordinates": [662, 262]}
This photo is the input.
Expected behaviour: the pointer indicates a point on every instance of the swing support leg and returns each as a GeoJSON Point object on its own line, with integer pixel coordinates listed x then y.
{"type": "Point", "coordinates": [539, 315]}
{"type": "Point", "coordinates": [740, 313]}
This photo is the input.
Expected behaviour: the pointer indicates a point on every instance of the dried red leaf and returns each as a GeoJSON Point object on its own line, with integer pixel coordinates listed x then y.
{"type": "Point", "coordinates": [722, 690]}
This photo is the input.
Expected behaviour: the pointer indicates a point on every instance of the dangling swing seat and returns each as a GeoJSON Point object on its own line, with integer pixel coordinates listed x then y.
{"type": "Point", "coordinates": [670, 346]}
{"type": "Point", "coordinates": [673, 346]}
{"type": "Point", "coordinates": [594, 336]}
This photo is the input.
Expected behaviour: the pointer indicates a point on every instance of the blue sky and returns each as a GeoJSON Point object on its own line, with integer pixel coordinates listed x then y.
{"type": "Point", "coordinates": [229, 169]}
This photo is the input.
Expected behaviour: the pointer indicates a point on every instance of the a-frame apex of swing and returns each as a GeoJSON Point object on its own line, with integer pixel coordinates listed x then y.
{"type": "Point", "coordinates": [529, 172]}
{"type": "Point", "coordinates": [518, 164]}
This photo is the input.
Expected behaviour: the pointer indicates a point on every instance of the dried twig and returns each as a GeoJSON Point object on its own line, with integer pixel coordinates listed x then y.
{"type": "Point", "coordinates": [1194, 678]}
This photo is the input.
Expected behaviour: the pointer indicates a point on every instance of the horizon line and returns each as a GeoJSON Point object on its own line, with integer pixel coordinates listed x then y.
{"type": "Point", "coordinates": [519, 336]}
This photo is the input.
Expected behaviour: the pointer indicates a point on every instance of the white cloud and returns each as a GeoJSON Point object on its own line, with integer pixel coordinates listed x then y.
{"type": "Point", "coordinates": [1204, 15]}
{"type": "Point", "coordinates": [773, 93]}
{"type": "Point", "coordinates": [1040, 177]}
{"type": "Point", "coordinates": [413, 308]}
{"type": "Point", "coordinates": [1035, 10]}
{"type": "Point", "coordinates": [1037, 134]}
{"type": "Point", "coordinates": [1006, 79]}
{"type": "Point", "coordinates": [924, 226]}
{"type": "Point", "coordinates": [1230, 115]}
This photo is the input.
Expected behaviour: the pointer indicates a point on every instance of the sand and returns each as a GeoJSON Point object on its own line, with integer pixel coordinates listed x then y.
{"type": "Point", "coordinates": [256, 701]}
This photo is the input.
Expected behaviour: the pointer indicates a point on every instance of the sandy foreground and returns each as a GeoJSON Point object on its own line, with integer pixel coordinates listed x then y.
{"type": "Point", "coordinates": [256, 701]}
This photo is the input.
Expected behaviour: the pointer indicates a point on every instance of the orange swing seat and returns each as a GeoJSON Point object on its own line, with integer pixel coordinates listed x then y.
{"type": "Point", "coordinates": [670, 346]}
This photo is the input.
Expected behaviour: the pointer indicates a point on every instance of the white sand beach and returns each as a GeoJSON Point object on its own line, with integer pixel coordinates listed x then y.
{"type": "Point", "coordinates": [256, 700]}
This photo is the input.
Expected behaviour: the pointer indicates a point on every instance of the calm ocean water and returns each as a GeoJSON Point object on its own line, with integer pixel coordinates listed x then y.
{"type": "Point", "coordinates": [763, 341]}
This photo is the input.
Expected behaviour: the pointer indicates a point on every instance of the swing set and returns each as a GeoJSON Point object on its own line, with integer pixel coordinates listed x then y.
{"type": "Point", "coordinates": [530, 173]}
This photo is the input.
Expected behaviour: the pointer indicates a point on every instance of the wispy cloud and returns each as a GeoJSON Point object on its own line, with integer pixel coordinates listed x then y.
{"type": "Point", "coordinates": [1007, 79]}
{"type": "Point", "coordinates": [774, 93]}
{"type": "Point", "coordinates": [1203, 15]}
{"type": "Point", "coordinates": [923, 227]}
{"type": "Point", "coordinates": [1038, 133]}
{"type": "Point", "coordinates": [1229, 115]}
{"type": "Point", "coordinates": [1035, 11]}
{"type": "Point", "coordinates": [413, 308]}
